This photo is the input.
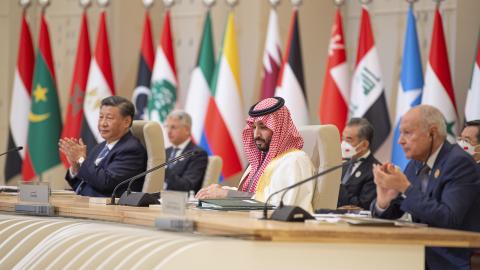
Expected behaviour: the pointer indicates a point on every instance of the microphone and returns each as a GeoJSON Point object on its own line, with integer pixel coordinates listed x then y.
{"type": "Point", "coordinates": [141, 198]}
{"type": "Point", "coordinates": [18, 148]}
{"type": "Point", "coordinates": [295, 213]}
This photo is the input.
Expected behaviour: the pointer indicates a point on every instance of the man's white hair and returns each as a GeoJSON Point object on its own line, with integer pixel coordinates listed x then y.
{"type": "Point", "coordinates": [182, 116]}
{"type": "Point", "coordinates": [431, 116]}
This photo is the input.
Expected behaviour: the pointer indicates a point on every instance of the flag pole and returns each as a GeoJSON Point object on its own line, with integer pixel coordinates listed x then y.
{"type": "Point", "coordinates": [24, 4]}
{"type": "Point", "coordinates": [168, 4]}
{"type": "Point", "coordinates": [338, 3]}
{"type": "Point", "coordinates": [232, 4]}
{"type": "Point", "coordinates": [365, 2]}
{"type": "Point", "coordinates": [148, 4]}
{"type": "Point", "coordinates": [103, 3]}
{"type": "Point", "coordinates": [209, 3]}
{"type": "Point", "coordinates": [84, 4]}
{"type": "Point", "coordinates": [296, 3]}
{"type": "Point", "coordinates": [438, 2]}
{"type": "Point", "coordinates": [274, 3]}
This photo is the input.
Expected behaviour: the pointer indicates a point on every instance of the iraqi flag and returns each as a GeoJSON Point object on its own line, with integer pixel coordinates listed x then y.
{"type": "Point", "coordinates": [438, 90]}
{"type": "Point", "coordinates": [225, 115]}
{"type": "Point", "coordinates": [164, 77]}
{"type": "Point", "coordinates": [141, 93]}
{"type": "Point", "coordinates": [272, 57]}
{"type": "Point", "coordinates": [367, 98]}
{"type": "Point", "coordinates": [199, 93]}
{"type": "Point", "coordinates": [291, 84]}
{"type": "Point", "coordinates": [472, 106]}
{"type": "Point", "coordinates": [99, 85]}
{"type": "Point", "coordinates": [45, 120]}
{"type": "Point", "coordinates": [19, 161]}
{"type": "Point", "coordinates": [334, 100]}
{"type": "Point", "coordinates": [74, 118]}
{"type": "Point", "coordinates": [410, 86]}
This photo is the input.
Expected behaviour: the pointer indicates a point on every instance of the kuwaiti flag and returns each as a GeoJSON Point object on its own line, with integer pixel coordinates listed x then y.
{"type": "Point", "coordinates": [99, 85]}
{"type": "Point", "coordinates": [335, 94]}
{"type": "Point", "coordinates": [19, 161]}
{"type": "Point", "coordinates": [272, 57]}
{"type": "Point", "coordinates": [225, 118]}
{"type": "Point", "coordinates": [410, 86]}
{"type": "Point", "coordinates": [74, 118]}
{"type": "Point", "coordinates": [164, 77]}
{"type": "Point", "coordinates": [438, 90]}
{"type": "Point", "coordinates": [45, 120]}
{"type": "Point", "coordinates": [141, 93]}
{"type": "Point", "coordinates": [199, 93]}
{"type": "Point", "coordinates": [472, 106]}
{"type": "Point", "coordinates": [291, 84]}
{"type": "Point", "coordinates": [367, 98]}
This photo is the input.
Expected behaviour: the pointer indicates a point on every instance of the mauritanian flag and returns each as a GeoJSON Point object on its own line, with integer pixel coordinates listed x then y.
{"type": "Point", "coordinates": [335, 93]}
{"type": "Point", "coordinates": [472, 106]}
{"type": "Point", "coordinates": [291, 84]}
{"type": "Point", "coordinates": [225, 117]}
{"type": "Point", "coordinates": [438, 90]}
{"type": "Point", "coordinates": [45, 118]}
{"type": "Point", "coordinates": [367, 98]}
{"type": "Point", "coordinates": [144, 74]}
{"type": "Point", "coordinates": [272, 57]}
{"type": "Point", "coordinates": [164, 77]}
{"type": "Point", "coordinates": [99, 85]}
{"type": "Point", "coordinates": [74, 117]}
{"type": "Point", "coordinates": [199, 93]}
{"type": "Point", "coordinates": [19, 161]}
{"type": "Point", "coordinates": [410, 86]}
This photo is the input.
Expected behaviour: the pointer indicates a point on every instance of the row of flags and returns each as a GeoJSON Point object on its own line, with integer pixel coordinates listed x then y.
{"type": "Point", "coordinates": [215, 98]}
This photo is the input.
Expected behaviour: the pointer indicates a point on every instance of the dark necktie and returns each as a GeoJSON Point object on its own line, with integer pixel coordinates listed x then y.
{"type": "Point", "coordinates": [173, 154]}
{"type": "Point", "coordinates": [348, 173]}
{"type": "Point", "coordinates": [423, 174]}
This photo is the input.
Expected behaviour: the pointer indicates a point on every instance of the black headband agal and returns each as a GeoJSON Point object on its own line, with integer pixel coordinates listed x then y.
{"type": "Point", "coordinates": [275, 107]}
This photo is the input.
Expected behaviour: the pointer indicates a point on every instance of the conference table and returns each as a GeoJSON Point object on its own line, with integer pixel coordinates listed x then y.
{"type": "Point", "coordinates": [82, 235]}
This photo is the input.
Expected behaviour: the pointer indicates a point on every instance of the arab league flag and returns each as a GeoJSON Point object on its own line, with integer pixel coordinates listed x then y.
{"type": "Point", "coordinates": [141, 93]}
{"type": "Point", "coordinates": [291, 84]}
{"type": "Point", "coordinates": [335, 94]}
{"type": "Point", "coordinates": [272, 57]}
{"type": "Point", "coordinates": [99, 86]}
{"type": "Point", "coordinates": [472, 106]}
{"type": "Point", "coordinates": [410, 86]}
{"type": "Point", "coordinates": [438, 90]}
{"type": "Point", "coordinates": [367, 98]}
{"type": "Point", "coordinates": [225, 118]}
{"type": "Point", "coordinates": [164, 77]}
{"type": "Point", "coordinates": [45, 119]}
{"type": "Point", "coordinates": [19, 161]}
{"type": "Point", "coordinates": [199, 93]}
{"type": "Point", "coordinates": [74, 118]}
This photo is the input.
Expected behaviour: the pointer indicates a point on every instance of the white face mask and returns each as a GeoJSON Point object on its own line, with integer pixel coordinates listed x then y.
{"type": "Point", "coordinates": [468, 147]}
{"type": "Point", "coordinates": [348, 151]}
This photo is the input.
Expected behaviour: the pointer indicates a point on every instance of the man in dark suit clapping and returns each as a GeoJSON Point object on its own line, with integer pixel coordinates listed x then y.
{"type": "Point", "coordinates": [187, 174]}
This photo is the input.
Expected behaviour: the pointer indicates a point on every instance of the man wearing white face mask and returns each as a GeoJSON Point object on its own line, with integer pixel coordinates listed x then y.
{"type": "Point", "coordinates": [469, 139]}
{"type": "Point", "coordinates": [357, 187]}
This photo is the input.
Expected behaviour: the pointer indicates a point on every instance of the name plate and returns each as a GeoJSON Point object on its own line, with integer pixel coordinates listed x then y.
{"type": "Point", "coordinates": [174, 202]}
{"type": "Point", "coordinates": [37, 192]}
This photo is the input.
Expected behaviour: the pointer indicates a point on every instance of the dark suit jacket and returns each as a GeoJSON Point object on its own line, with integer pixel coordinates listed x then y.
{"type": "Point", "coordinates": [127, 158]}
{"type": "Point", "coordinates": [187, 174]}
{"type": "Point", "coordinates": [452, 201]}
{"type": "Point", "coordinates": [361, 190]}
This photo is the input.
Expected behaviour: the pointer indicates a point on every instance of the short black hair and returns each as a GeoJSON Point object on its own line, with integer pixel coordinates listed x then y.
{"type": "Point", "coordinates": [474, 123]}
{"type": "Point", "coordinates": [365, 132]}
{"type": "Point", "coordinates": [126, 106]}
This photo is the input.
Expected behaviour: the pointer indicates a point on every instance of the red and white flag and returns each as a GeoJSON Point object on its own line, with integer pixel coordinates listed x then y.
{"type": "Point", "coordinates": [472, 106]}
{"type": "Point", "coordinates": [438, 89]}
{"type": "Point", "coordinates": [335, 94]}
{"type": "Point", "coordinates": [19, 161]}
{"type": "Point", "coordinates": [99, 85]}
{"type": "Point", "coordinates": [272, 57]}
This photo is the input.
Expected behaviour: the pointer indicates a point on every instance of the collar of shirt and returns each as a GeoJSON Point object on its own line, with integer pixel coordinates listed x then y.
{"type": "Point", "coordinates": [355, 167]}
{"type": "Point", "coordinates": [181, 146]}
{"type": "Point", "coordinates": [433, 157]}
{"type": "Point", "coordinates": [111, 145]}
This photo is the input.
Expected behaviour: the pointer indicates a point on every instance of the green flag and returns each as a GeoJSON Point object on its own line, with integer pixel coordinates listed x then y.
{"type": "Point", "coordinates": [45, 124]}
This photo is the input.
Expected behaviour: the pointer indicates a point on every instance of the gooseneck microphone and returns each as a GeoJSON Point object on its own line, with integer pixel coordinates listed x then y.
{"type": "Point", "coordinates": [295, 213]}
{"type": "Point", "coordinates": [18, 148]}
{"type": "Point", "coordinates": [140, 198]}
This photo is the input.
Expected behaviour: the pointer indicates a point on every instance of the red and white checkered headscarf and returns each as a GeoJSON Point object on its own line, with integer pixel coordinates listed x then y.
{"type": "Point", "coordinates": [285, 137]}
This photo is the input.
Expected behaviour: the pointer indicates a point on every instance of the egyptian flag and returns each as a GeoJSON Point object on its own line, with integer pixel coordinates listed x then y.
{"type": "Point", "coordinates": [291, 84]}
{"type": "Point", "coordinates": [333, 107]}
{"type": "Point", "coordinates": [99, 85]}
{"type": "Point", "coordinates": [45, 121]}
{"type": "Point", "coordinates": [272, 57]}
{"type": "Point", "coordinates": [472, 106]}
{"type": "Point", "coordinates": [438, 90]}
{"type": "Point", "coordinates": [74, 118]}
{"type": "Point", "coordinates": [144, 75]}
{"type": "Point", "coordinates": [19, 162]}
{"type": "Point", "coordinates": [367, 98]}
